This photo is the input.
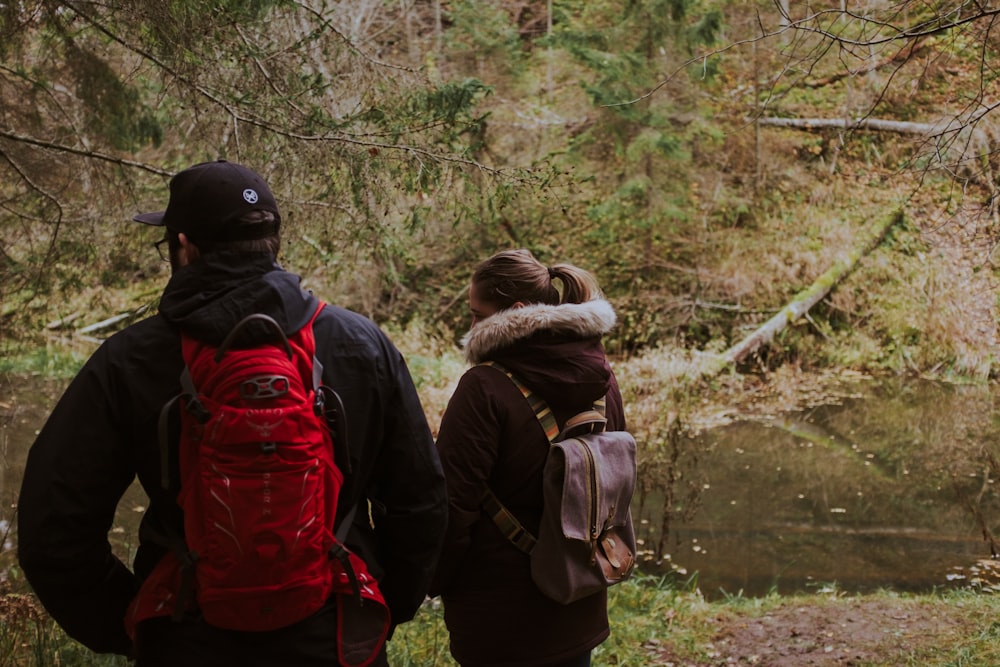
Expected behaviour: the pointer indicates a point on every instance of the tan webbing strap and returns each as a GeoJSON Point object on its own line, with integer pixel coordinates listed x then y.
{"type": "Point", "coordinates": [501, 516]}
{"type": "Point", "coordinates": [537, 403]}
{"type": "Point", "coordinates": [507, 523]}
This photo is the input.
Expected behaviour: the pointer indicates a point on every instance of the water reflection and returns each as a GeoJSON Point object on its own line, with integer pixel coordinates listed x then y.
{"type": "Point", "coordinates": [892, 487]}
{"type": "Point", "coordinates": [25, 402]}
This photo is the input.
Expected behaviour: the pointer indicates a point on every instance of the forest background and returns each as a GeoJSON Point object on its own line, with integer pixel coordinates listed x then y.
{"type": "Point", "coordinates": [711, 161]}
{"type": "Point", "coordinates": [706, 159]}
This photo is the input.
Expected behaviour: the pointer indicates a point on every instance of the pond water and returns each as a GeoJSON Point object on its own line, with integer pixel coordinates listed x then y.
{"type": "Point", "coordinates": [890, 486]}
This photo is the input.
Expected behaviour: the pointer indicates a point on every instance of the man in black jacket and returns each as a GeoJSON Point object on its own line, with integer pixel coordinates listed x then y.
{"type": "Point", "coordinates": [222, 227]}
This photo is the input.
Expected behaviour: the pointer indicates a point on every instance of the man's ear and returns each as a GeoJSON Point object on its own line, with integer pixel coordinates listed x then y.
{"type": "Point", "coordinates": [517, 304]}
{"type": "Point", "coordinates": [188, 252]}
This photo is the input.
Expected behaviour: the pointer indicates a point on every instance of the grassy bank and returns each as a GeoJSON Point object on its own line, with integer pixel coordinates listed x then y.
{"type": "Point", "coordinates": [655, 623]}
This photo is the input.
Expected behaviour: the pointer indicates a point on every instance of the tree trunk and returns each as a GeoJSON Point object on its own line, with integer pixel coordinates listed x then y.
{"type": "Point", "coordinates": [803, 301]}
{"type": "Point", "coordinates": [785, 21]}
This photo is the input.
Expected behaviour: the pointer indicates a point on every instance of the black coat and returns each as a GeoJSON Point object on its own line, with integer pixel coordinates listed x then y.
{"type": "Point", "coordinates": [103, 433]}
{"type": "Point", "coordinates": [489, 435]}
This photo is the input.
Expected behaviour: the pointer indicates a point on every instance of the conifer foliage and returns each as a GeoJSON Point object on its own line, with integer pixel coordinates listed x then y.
{"type": "Point", "coordinates": [101, 101]}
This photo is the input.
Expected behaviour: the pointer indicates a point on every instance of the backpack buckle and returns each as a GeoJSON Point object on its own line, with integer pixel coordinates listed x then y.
{"type": "Point", "coordinates": [197, 410]}
{"type": "Point", "coordinates": [264, 386]}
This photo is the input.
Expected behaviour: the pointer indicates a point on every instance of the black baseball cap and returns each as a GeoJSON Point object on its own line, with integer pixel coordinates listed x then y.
{"type": "Point", "coordinates": [206, 198]}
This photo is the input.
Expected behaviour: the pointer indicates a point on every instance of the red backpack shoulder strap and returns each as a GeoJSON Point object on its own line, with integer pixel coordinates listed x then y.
{"type": "Point", "coordinates": [303, 342]}
{"type": "Point", "coordinates": [305, 335]}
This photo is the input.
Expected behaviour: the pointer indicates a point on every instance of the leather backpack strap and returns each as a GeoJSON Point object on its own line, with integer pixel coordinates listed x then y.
{"type": "Point", "coordinates": [593, 420]}
{"type": "Point", "coordinates": [601, 407]}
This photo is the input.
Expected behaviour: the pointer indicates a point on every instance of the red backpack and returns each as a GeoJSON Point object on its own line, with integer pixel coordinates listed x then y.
{"type": "Point", "coordinates": [259, 488]}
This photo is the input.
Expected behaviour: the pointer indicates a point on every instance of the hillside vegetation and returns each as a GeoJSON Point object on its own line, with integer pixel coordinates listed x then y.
{"type": "Point", "coordinates": [406, 142]}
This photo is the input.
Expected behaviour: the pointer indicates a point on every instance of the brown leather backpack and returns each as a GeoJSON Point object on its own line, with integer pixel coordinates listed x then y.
{"type": "Point", "coordinates": [585, 541]}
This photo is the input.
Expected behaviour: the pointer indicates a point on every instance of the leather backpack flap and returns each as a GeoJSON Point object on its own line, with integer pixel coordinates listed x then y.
{"type": "Point", "coordinates": [588, 542]}
{"type": "Point", "coordinates": [617, 545]}
{"type": "Point", "coordinates": [615, 466]}
{"type": "Point", "coordinates": [597, 484]}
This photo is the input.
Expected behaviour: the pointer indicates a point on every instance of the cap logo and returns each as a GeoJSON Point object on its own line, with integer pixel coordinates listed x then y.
{"type": "Point", "coordinates": [250, 196]}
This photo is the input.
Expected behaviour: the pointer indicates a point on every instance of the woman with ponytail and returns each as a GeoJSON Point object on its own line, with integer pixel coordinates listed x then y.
{"type": "Point", "coordinates": [543, 325]}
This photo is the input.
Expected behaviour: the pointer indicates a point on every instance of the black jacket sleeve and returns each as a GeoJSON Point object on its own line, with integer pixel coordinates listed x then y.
{"type": "Point", "coordinates": [75, 474]}
{"type": "Point", "coordinates": [410, 491]}
{"type": "Point", "coordinates": [394, 463]}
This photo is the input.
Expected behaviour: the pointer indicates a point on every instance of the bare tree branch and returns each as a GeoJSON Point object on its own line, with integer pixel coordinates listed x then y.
{"type": "Point", "coordinates": [936, 25]}
{"type": "Point", "coordinates": [903, 55]}
{"type": "Point", "coordinates": [96, 155]}
{"type": "Point", "coordinates": [238, 117]}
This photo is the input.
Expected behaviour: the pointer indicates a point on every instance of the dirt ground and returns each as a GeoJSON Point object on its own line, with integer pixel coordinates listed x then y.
{"type": "Point", "coordinates": [843, 632]}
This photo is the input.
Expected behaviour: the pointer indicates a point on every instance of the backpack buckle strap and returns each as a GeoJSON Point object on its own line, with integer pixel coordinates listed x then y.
{"type": "Point", "coordinates": [197, 410]}
{"type": "Point", "coordinates": [331, 408]}
{"type": "Point", "coordinates": [508, 524]}
{"type": "Point", "coordinates": [342, 555]}
{"type": "Point", "coordinates": [186, 592]}
{"type": "Point", "coordinates": [163, 436]}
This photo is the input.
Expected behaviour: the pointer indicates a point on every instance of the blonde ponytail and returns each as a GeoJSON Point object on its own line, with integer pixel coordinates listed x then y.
{"type": "Point", "coordinates": [513, 276]}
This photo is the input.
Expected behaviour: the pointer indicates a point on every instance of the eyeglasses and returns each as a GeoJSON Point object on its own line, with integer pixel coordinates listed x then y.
{"type": "Point", "coordinates": [164, 255]}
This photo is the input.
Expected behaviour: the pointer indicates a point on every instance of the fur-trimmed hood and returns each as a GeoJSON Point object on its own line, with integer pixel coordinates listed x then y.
{"type": "Point", "coordinates": [592, 318]}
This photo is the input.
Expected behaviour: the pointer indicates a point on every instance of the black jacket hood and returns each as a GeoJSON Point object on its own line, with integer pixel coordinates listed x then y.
{"type": "Point", "coordinates": [192, 300]}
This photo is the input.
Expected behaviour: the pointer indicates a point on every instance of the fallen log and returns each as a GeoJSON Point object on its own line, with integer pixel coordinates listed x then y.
{"type": "Point", "coordinates": [112, 321]}
{"type": "Point", "coordinates": [959, 143]}
{"type": "Point", "coordinates": [899, 126]}
{"type": "Point", "coordinates": [63, 322]}
{"type": "Point", "coordinates": [803, 301]}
